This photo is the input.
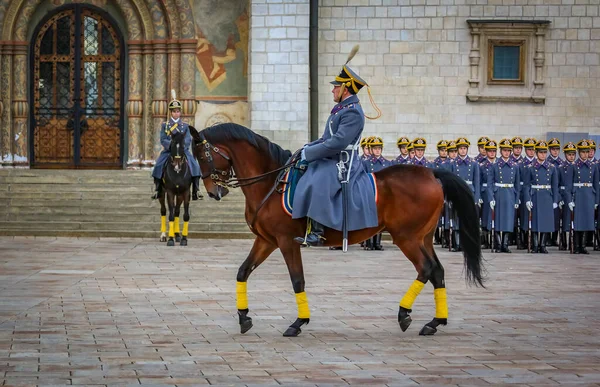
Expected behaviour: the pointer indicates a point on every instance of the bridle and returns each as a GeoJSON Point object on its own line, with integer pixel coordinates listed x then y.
{"type": "Point", "coordinates": [226, 178]}
{"type": "Point", "coordinates": [177, 159]}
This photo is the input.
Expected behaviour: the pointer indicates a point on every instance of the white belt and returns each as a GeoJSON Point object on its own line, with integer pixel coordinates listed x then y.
{"type": "Point", "coordinates": [583, 184]}
{"type": "Point", "coordinates": [536, 186]}
{"type": "Point", "coordinates": [484, 184]}
{"type": "Point", "coordinates": [504, 185]}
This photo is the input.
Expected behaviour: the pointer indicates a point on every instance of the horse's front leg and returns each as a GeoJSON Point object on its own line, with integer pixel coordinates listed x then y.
{"type": "Point", "coordinates": [163, 217]}
{"type": "Point", "coordinates": [293, 260]}
{"type": "Point", "coordinates": [260, 251]}
{"type": "Point", "coordinates": [186, 217]}
{"type": "Point", "coordinates": [178, 200]}
{"type": "Point", "coordinates": [171, 203]}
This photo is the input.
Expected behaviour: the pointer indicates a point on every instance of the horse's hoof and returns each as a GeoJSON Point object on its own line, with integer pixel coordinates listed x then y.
{"type": "Point", "coordinates": [171, 242]}
{"type": "Point", "coordinates": [405, 323]}
{"type": "Point", "coordinates": [292, 332]}
{"type": "Point", "coordinates": [427, 331]}
{"type": "Point", "coordinates": [245, 325]}
{"type": "Point", "coordinates": [184, 241]}
{"type": "Point", "coordinates": [163, 239]}
{"type": "Point", "coordinates": [177, 238]}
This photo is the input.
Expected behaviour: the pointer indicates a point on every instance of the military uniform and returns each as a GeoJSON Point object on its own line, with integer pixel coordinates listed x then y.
{"type": "Point", "coordinates": [402, 141]}
{"type": "Point", "coordinates": [375, 164]}
{"type": "Point", "coordinates": [595, 161]}
{"type": "Point", "coordinates": [522, 212]}
{"type": "Point", "coordinates": [541, 197]}
{"type": "Point", "coordinates": [318, 194]}
{"type": "Point", "coordinates": [486, 212]}
{"type": "Point", "coordinates": [504, 190]}
{"type": "Point", "coordinates": [586, 196]}
{"type": "Point", "coordinates": [566, 171]}
{"type": "Point", "coordinates": [168, 129]}
{"type": "Point", "coordinates": [420, 143]}
{"type": "Point", "coordinates": [554, 143]}
{"type": "Point", "coordinates": [481, 144]}
{"type": "Point", "coordinates": [438, 164]}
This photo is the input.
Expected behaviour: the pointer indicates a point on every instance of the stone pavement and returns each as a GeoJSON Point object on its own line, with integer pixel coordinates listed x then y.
{"type": "Point", "coordinates": [131, 312]}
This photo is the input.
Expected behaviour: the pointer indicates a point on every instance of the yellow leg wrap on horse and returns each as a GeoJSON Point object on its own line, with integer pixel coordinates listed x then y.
{"type": "Point", "coordinates": [163, 224]}
{"type": "Point", "coordinates": [411, 295]}
{"type": "Point", "coordinates": [171, 230]}
{"type": "Point", "coordinates": [441, 303]}
{"type": "Point", "coordinates": [185, 229]}
{"type": "Point", "coordinates": [177, 225]}
{"type": "Point", "coordinates": [242, 295]}
{"type": "Point", "coordinates": [302, 301]}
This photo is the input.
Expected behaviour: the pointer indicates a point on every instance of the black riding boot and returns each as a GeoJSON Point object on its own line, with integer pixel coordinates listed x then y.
{"type": "Point", "coordinates": [195, 188]}
{"type": "Point", "coordinates": [582, 242]}
{"type": "Point", "coordinates": [485, 244]}
{"type": "Point", "coordinates": [445, 239]}
{"type": "Point", "coordinates": [553, 239]}
{"type": "Point", "coordinates": [314, 237]}
{"type": "Point", "coordinates": [576, 243]}
{"type": "Point", "coordinates": [454, 240]}
{"type": "Point", "coordinates": [157, 188]}
{"type": "Point", "coordinates": [497, 242]}
{"type": "Point", "coordinates": [597, 246]}
{"type": "Point", "coordinates": [521, 239]}
{"type": "Point", "coordinates": [543, 241]}
{"type": "Point", "coordinates": [504, 248]}
{"type": "Point", "coordinates": [562, 246]}
{"type": "Point", "coordinates": [377, 244]}
{"type": "Point", "coordinates": [534, 243]}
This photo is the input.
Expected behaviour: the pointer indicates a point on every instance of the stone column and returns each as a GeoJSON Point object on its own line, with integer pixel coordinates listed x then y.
{"type": "Point", "coordinates": [474, 59]}
{"type": "Point", "coordinates": [135, 105]}
{"type": "Point", "coordinates": [159, 99]}
{"type": "Point", "coordinates": [187, 87]}
{"type": "Point", "coordinates": [539, 60]}
{"type": "Point", "coordinates": [173, 50]}
{"type": "Point", "coordinates": [20, 106]}
{"type": "Point", "coordinates": [147, 125]}
{"type": "Point", "coordinates": [5, 94]}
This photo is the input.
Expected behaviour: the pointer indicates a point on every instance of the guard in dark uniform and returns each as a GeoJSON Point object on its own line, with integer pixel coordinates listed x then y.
{"type": "Point", "coordinates": [504, 190]}
{"type": "Point", "coordinates": [411, 152]}
{"type": "Point", "coordinates": [420, 144]}
{"type": "Point", "coordinates": [522, 212]}
{"type": "Point", "coordinates": [442, 148]}
{"type": "Point", "coordinates": [447, 165]}
{"type": "Point", "coordinates": [554, 158]}
{"type": "Point", "coordinates": [452, 152]}
{"type": "Point", "coordinates": [364, 144]}
{"type": "Point", "coordinates": [404, 156]}
{"type": "Point", "coordinates": [481, 148]}
{"type": "Point", "coordinates": [491, 148]}
{"type": "Point", "coordinates": [592, 156]}
{"type": "Point", "coordinates": [566, 171]}
{"type": "Point", "coordinates": [541, 197]}
{"type": "Point", "coordinates": [586, 196]}
{"type": "Point", "coordinates": [590, 236]}
{"type": "Point", "coordinates": [468, 170]}
{"type": "Point", "coordinates": [174, 127]}
{"type": "Point", "coordinates": [374, 164]}
{"type": "Point", "coordinates": [517, 151]}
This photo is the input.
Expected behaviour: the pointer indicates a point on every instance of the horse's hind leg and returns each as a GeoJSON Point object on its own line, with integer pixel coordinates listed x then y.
{"type": "Point", "coordinates": [414, 252]}
{"type": "Point", "coordinates": [439, 294]}
{"type": "Point", "coordinates": [293, 260]}
{"type": "Point", "coordinates": [186, 218]}
{"type": "Point", "coordinates": [163, 217]}
{"type": "Point", "coordinates": [260, 251]}
{"type": "Point", "coordinates": [177, 208]}
{"type": "Point", "coordinates": [170, 201]}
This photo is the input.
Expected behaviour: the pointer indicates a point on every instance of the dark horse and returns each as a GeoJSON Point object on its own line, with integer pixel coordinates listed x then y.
{"type": "Point", "coordinates": [410, 215]}
{"type": "Point", "coordinates": [177, 179]}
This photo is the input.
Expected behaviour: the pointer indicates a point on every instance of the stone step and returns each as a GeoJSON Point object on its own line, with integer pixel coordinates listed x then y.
{"type": "Point", "coordinates": [213, 212]}
{"type": "Point", "coordinates": [97, 195]}
{"type": "Point", "coordinates": [117, 226]}
{"type": "Point", "coordinates": [124, 234]}
{"type": "Point", "coordinates": [142, 218]}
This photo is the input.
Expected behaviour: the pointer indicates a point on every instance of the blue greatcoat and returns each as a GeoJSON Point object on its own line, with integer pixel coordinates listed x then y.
{"type": "Point", "coordinates": [447, 165]}
{"type": "Point", "coordinates": [565, 188]}
{"type": "Point", "coordinates": [165, 140]}
{"type": "Point", "coordinates": [557, 162]}
{"type": "Point", "coordinates": [542, 191]}
{"type": "Point", "coordinates": [523, 213]}
{"type": "Point", "coordinates": [423, 162]}
{"type": "Point", "coordinates": [585, 194]}
{"type": "Point", "coordinates": [438, 162]}
{"type": "Point", "coordinates": [468, 170]}
{"type": "Point", "coordinates": [319, 192]}
{"type": "Point", "coordinates": [376, 164]}
{"type": "Point", "coordinates": [486, 210]}
{"type": "Point", "coordinates": [402, 160]}
{"type": "Point", "coordinates": [504, 188]}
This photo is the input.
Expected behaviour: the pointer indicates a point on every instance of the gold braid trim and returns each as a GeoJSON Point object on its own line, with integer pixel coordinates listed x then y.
{"type": "Point", "coordinates": [374, 105]}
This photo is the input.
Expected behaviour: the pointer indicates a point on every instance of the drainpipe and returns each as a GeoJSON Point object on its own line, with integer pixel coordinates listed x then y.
{"type": "Point", "coordinates": [313, 58]}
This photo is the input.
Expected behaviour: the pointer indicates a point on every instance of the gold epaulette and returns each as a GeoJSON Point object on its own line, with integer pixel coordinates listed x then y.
{"type": "Point", "coordinates": [169, 130]}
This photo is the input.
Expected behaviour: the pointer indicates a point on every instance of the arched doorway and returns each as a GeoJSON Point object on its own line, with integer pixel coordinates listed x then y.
{"type": "Point", "coordinates": [77, 56]}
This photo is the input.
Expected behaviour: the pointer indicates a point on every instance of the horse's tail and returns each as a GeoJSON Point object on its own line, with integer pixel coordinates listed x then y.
{"type": "Point", "coordinates": [460, 196]}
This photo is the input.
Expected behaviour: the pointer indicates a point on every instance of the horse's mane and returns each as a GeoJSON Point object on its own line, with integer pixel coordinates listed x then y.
{"type": "Point", "coordinates": [230, 131]}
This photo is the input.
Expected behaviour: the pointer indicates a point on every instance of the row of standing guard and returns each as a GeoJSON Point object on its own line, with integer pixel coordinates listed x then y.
{"type": "Point", "coordinates": [530, 200]}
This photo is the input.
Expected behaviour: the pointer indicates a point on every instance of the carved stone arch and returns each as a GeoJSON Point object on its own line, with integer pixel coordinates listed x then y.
{"type": "Point", "coordinates": [172, 18]}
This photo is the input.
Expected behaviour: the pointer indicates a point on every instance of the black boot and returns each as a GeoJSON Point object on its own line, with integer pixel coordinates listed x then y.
{"type": "Point", "coordinates": [582, 242]}
{"type": "Point", "coordinates": [315, 237]}
{"type": "Point", "coordinates": [597, 245]}
{"type": "Point", "coordinates": [454, 245]}
{"type": "Point", "coordinates": [543, 240]}
{"type": "Point", "coordinates": [521, 239]}
{"type": "Point", "coordinates": [437, 237]}
{"type": "Point", "coordinates": [485, 244]}
{"type": "Point", "coordinates": [576, 245]}
{"type": "Point", "coordinates": [553, 239]}
{"type": "Point", "coordinates": [497, 242]}
{"type": "Point", "coordinates": [445, 239]}
{"type": "Point", "coordinates": [504, 248]}
{"type": "Point", "coordinates": [534, 243]}
{"type": "Point", "coordinates": [457, 239]}
{"type": "Point", "coordinates": [195, 188]}
{"type": "Point", "coordinates": [157, 188]}
{"type": "Point", "coordinates": [562, 246]}
{"type": "Point", "coordinates": [377, 244]}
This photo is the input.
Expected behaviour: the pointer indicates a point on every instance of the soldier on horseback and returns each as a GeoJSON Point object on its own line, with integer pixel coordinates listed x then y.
{"type": "Point", "coordinates": [319, 192]}
{"type": "Point", "coordinates": [168, 130]}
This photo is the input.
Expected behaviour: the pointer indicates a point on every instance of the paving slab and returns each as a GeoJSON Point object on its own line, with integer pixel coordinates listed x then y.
{"type": "Point", "coordinates": [118, 311]}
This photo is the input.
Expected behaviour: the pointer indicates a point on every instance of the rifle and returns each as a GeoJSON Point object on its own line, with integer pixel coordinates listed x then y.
{"type": "Point", "coordinates": [451, 231]}
{"type": "Point", "coordinates": [572, 249]}
{"type": "Point", "coordinates": [442, 229]}
{"type": "Point", "coordinates": [493, 236]}
{"type": "Point", "coordinates": [595, 237]}
{"type": "Point", "coordinates": [529, 234]}
{"type": "Point", "coordinates": [343, 177]}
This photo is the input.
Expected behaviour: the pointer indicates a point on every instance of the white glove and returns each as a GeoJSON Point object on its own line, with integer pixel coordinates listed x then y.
{"type": "Point", "coordinates": [480, 202]}
{"type": "Point", "coordinates": [302, 155]}
{"type": "Point", "coordinates": [571, 206]}
{"type": "Point", "coordinates": [561, 204]}
{"type": "Point", "coordinates": [529, 205]}
{"type": "Point", "coordinates": [516, 206]}
{"type": "Point", "coordinates": [493, 204]}
{"type": "Point", "coordinates": [595, 206]}
{"type": "Point", "coordinates": [554, 205]}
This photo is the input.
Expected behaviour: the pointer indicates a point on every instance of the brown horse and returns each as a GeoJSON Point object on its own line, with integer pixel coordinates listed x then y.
{"type": "Point", "coordinates": [409, 212]}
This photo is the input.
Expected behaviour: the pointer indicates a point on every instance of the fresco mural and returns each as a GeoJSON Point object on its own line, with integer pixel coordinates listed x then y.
{"type": "Point", "coordinates": [222, 28]}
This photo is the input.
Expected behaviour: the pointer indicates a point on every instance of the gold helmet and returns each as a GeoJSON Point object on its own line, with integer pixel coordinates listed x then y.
{"type": "Point", "coordinates": [570, 147]}
{"type": "Point", "coordinates": [554, 143]}
{"type": "Point", "coordinates": [377, 141]}
{"type": "Point", "coordinates": [515, 141]}
{"type": "Point", "coordinates": [462, 141]}
{"type": "Point", "coordinates": [442, 144]}
{"type": "Point", "coordinates": [491, 145]}
{"type": "Point", "coordinates": [174, 104]}
{"type": "Point", "coordinates": [363, 142]}
{"type": "Point", "coordinates": [592, 144]}
{"type": "Point", "coordinates": [583, 145]}
{"type": "Point", "coordinates": [410, 146]}
{"type": "Point", "coordinates": [452, 145]}
{"type": "Point", "coordinates": [482, 141]}
{"type": "Point", "coordinates": [420, 142]}
{"type": "Point", "coordinates": [506, 143]}
{"type": "Point", "coordinates": [530, 143]}
{"type": "Point", "coordinates": [541, 145]}
{"type": "Point", "coordinates": [403, 141]}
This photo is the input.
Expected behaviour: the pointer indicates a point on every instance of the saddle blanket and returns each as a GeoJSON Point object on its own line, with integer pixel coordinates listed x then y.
{"type": "Point", "coordinates": [290, 181]}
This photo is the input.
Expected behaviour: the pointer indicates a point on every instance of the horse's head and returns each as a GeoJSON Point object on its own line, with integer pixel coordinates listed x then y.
{"type": "Point", "coordinates": [215, 165]}
{"type": "Point", "coordinates": [177, 151]}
